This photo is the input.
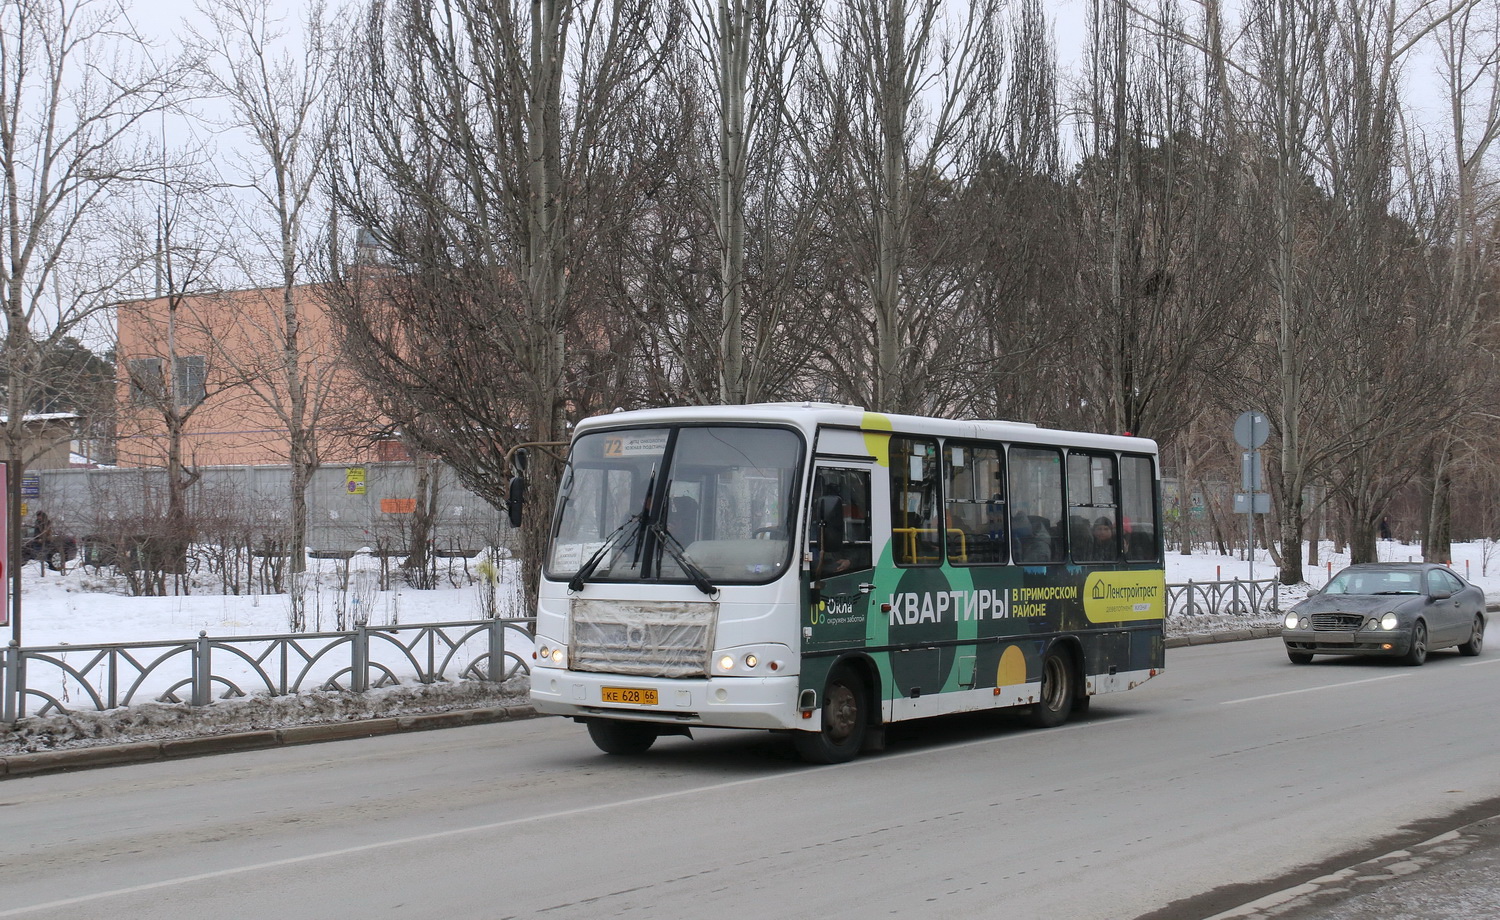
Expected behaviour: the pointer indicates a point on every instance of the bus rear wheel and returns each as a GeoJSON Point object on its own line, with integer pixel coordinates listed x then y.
{"type": "Point", "coordinates": [846, 717]}
{"type": "Point", "coordinates": [1057, 692]}
{"type": "Point", "coordinates": [614, 737]}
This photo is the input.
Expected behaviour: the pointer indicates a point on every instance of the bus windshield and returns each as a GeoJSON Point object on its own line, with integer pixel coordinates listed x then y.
{"type": "Point", "coordinates": [635, 504]}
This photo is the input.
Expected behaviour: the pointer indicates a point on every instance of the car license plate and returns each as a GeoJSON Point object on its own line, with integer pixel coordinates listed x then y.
{"type": "Point", "coordinates": [1337, 638]}
{"type": "Point", "coordinates": [632, 695]}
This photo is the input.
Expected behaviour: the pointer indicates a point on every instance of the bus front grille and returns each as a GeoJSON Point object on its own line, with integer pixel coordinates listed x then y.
{"type": "Point", "coordinates": [644, 638]}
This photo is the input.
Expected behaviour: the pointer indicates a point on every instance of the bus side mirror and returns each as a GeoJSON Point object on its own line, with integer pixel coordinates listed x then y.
{"type": "Point", "coordinates": [515, 493]}
{"type": "Point", "coordinates": [515, 500]}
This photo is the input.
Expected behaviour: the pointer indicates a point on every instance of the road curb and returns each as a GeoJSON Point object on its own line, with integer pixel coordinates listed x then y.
{"type": "Point", "coordinates": [1232, 635]}
{"type": "Point", "coordinates": [171, 749]}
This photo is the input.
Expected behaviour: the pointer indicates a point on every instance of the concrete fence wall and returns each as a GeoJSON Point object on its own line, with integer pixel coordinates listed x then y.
{"type": "Point", "coordinates": [349, 508]}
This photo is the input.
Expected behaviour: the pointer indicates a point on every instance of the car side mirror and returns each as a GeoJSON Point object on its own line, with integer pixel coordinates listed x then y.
{"type": "Point", "coordinates": [1441, 594]}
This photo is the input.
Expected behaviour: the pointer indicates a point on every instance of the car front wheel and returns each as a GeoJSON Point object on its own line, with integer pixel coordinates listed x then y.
{"type": "Point", "coordinates": [1417, 653]}
{"type": "Point", "coordinates": [1299, 657]}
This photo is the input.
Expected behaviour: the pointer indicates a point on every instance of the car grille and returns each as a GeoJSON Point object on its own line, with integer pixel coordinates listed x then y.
{"type": "Point", "coordinates": [642, 638]}
{"type": "Point", "coordinates": [1337, 622]}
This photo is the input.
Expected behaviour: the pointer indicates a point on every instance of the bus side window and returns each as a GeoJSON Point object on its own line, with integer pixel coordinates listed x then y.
{"type": "Point", "coordinates": [1093, 515]}
{"type": "Point", "coordinates": [1138, 509]}
{"type": "Point", "coordinates": [916, 518]}
{"type": "Point", "coordinates": [975, 496]}
{"type": "Point", "coordinates": [1036, 493]}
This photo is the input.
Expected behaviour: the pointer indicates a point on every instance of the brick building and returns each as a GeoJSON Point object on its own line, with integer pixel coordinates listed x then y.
{"type": "Point", "coordinates": [216, 364]}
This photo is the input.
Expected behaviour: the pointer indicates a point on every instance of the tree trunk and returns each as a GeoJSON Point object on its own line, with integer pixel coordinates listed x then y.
{"type": "Point", "coordinates": [416, 568]}
{"type": "Point", "coordinates": [1437, 539]}
{"type": "Point", "coordinates": [1291, 540]}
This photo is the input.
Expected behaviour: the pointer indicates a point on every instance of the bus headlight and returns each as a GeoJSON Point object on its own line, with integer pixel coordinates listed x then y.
{"type": "Point", "coordinates": [748, 660]}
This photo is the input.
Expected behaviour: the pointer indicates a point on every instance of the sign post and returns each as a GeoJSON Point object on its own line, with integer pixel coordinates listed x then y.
{"type": "Point", "coordinates": [5, 548]}
{"type": "Point", "coordinates": [1250, 431]}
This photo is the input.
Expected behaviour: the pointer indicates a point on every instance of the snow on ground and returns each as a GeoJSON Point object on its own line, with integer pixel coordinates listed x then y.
{"type": "Point", "coordinates": [84, 607]}
{"type": "Point", "coordinates": [1479, 562]}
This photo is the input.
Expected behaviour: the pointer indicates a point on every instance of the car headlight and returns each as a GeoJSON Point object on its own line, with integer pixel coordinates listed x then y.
{"type": "Point", "coordinates": [1389, 621]}
{"type": "Point", "coordinates": [1291, 620]}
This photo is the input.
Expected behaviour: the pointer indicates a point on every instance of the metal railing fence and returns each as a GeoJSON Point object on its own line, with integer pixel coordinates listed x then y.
{"type": "Point", "coordinates": [66, 678]}
{"type": "Point", "coordinates": [1241, 598]}
{"type": "Point", "coordinates": [60, 679]}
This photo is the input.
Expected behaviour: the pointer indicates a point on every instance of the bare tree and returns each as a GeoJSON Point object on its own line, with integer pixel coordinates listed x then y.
{"type": "Point", "coordinates": [275, 85]}
{"type": "Point", "coordinates": [76, 81]}
{"type": "Point", "coordinates": [1167, 249]}
{"type": "Point", "coordinates": [173, 364]}
{"type": "Point", "coordinates": [1455, 206]}
{"type": "Point", "coordinates": [477, 145]}
{"type": "Point", "coordinates": [755, 51]}
{"type": "Point", "coordinates": [906, 104]}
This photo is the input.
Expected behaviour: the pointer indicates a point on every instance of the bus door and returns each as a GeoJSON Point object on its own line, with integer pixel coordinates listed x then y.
{"type": "Point", "coordinates": [841, 553]}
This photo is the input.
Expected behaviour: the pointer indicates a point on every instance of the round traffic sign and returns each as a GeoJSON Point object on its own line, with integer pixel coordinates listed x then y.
{"type": "Point", "coordinates": [1251, 429]}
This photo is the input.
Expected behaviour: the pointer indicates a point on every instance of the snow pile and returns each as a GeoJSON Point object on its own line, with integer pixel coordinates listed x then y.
{"type": "Point", "coordinates": [165, 721]}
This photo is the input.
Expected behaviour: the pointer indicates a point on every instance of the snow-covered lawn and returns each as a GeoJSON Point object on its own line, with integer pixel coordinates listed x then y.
{"type": "Point", "coordinates": [85, 608]}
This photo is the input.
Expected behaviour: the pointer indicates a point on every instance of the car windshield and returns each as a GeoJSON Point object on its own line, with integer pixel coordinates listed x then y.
{"type": "Point", "coordinates": [635, 504]}
{"type": "Point", "coordinates": [1375, 582]}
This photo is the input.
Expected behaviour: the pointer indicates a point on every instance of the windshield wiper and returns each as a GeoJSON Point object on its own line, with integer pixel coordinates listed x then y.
{"type": "Point", "coordinates": [584, 571]}
{"type": "Point", "coordinates": [679, 553]}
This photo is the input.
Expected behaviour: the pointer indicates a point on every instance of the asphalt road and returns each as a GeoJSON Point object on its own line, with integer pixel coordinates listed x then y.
{"type": "Point", "coordinates": [1233, 777]}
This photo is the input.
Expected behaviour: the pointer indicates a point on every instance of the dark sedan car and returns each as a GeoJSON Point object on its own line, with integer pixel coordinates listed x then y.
{"type": "Point", "coordinates": [1403, 610]}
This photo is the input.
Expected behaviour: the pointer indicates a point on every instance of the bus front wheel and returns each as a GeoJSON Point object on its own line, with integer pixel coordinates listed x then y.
{"type": "Point", "coordinates": [1057, 691]}
{"type": "Point", "coordinates": [614, 737]}
{"type": "Point", "coordinates": [846, 716]}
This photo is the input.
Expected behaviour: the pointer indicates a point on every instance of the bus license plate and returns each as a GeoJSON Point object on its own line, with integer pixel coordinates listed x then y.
{"type": "Point", "coordinates": [631, 695]}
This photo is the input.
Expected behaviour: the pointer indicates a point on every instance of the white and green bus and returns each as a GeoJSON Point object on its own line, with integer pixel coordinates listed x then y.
{"type": "Point", "coordinates": [825, 571]}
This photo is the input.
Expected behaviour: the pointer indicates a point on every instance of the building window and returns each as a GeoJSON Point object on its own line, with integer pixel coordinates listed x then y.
{"type": "Point", "coordinates": [190, 380]}
{"type": "Point", "coordinates": [145, 381]}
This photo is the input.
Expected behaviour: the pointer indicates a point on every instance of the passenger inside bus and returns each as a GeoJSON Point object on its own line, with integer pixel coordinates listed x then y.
{"type": "Point", "coordinates": [1104, 540]}
{"type": "Point", "coordinates": [682, 519]}
{"type": "Point", "coordinates": [1032, 541]}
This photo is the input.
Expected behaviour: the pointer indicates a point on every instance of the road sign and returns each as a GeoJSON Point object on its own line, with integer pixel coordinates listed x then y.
{"type": "Point", "coordinates": [1259, 502]}
{"type": "Point", "coordinates": [1250, 478]}
{"type": "Point", "coordinates": [1251, 429]}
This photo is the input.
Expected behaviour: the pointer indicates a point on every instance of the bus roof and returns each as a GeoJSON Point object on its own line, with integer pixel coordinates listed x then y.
{"type": "Point", "coordinates": [808, 416]}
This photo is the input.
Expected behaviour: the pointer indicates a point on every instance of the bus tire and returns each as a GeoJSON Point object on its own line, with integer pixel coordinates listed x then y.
{"type": "Point", "coordinates": [1057, 692]}
{"type": "Point", "coordinates": [613, 737]}
{"type": "Point", "coordinates": [846, 717]}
